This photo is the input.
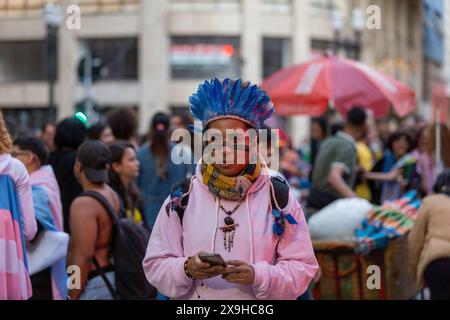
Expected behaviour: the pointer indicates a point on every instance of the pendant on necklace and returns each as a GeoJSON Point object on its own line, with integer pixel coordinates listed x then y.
{"type": "Point", "coordinates": [229, 221]}
{"type": "Point", "coordinates": [228, 233]}
{"type": "Point", "coordinates": [230, 226]}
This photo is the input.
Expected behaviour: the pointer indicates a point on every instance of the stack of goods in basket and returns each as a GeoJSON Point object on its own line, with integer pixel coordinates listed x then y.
{"type": "Point", "coordinates": [390, 221]}
{"type": "Point", "coordinates": [371, 227]}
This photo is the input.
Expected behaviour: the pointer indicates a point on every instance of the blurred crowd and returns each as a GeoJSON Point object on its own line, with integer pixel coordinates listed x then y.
{"type": "Point", "coordinates": [392, 157]}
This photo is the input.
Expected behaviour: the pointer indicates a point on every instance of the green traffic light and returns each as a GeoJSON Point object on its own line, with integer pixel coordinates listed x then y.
{"type": "Point", "coordinates": [82, 117]}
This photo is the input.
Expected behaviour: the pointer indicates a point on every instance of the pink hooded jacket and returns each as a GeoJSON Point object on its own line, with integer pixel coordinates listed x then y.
{"type": "Point", "coordinates": [284, 266]}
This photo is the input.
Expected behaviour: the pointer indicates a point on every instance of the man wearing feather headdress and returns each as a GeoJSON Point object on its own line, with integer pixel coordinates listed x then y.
{"type": "Point", "coordinates": [233, 209]}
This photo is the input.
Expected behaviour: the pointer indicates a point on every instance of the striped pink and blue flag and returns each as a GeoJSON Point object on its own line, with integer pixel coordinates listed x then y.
{"type": "Point", "coordinates": [14, 278]}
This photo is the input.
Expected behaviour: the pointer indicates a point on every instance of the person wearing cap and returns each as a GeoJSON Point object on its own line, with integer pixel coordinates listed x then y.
{"type": "Point", "coordinates": [33, 153]}
{"type": "Point", "coordinates": [90, 223]}
{"type": "Point", "coordinates": [266, 250]}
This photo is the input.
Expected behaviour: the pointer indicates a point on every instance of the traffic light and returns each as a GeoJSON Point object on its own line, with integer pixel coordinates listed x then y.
{"type": "Point", "coordinates": [82, 117]}
{"type": "Point", "coordinates": [87, 111]}
{"type": "Point", "coordinates": [96, 68]}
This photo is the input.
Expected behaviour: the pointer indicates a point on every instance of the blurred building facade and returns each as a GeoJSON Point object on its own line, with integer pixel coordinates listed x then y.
{"type": "Point", "coordinates": [155, 53]}
{"type": "Point", "coordinates": [433, 46]}
{"type": "Point", "coordinates": [395, 48]}
{"type": "Point", "coordinates": [447, 45]}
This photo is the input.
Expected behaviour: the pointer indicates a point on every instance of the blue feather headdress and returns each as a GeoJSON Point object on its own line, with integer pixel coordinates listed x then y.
{"type": "Point", "coordinates": [230, 99]}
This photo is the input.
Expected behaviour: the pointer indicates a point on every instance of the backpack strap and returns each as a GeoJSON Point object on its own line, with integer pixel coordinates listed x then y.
{"type": "Point", "coordinates": [104, 202]}
{"type": "Point", "coordinates": [180, 189]}
{"type": "Point", "coordinates": [105, 279]}
{"type": "Point", "coordinates": [280, 215]}
{"type": "Point", "coordinates": [112, 213]}
{"type": "Point", "coordinates": [281, 189]}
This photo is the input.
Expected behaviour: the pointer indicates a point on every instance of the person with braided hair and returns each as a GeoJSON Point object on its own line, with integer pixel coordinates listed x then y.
{"type": "Point", "coordinates": [17, 222]}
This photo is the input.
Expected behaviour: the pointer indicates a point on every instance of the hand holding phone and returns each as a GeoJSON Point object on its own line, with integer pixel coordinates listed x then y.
{"type": "Point", "coordinates": [205, 265]}
{"type": "Point", "coordinates": [214, 259]}
{"type": "Point", "coordinates": [239, 272]}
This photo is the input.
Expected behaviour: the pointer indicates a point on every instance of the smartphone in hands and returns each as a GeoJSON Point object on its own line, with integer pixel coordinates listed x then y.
{"type": "Point", "coordinates": [214, 259]}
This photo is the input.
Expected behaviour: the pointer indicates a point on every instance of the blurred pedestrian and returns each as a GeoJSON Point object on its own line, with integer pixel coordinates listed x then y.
{"type": "Point", "coordinates": [335, 127]}
{"type": "Point", "coordinates": [91, 224]}
{"type": "Point", "coordinates": [426, 166]}
{"type": "Point", "coordinates": [421, 122]}
{"type": "Point", "coordinates": [365, 162]}
{"type": "Point", "coordinates": [101, 131]}
{"type": "Point", "coordinates": [50, 283]}
{"type": "Point", "coordinates": [123, 171]}
{"type": "Point", "coordinates": [268, 149]}
{"type": "Point", "coordinates": [335, 169]}
{"type": "Point", "coordinates": [373, 140]}
{"type": "Point", "coordinates": [409, 125]}
{"type": "Point", "coordinates": [158, 172]}
{"type": "Point", "coordinates": [290, 161]}
{"type": "Point", "coordinates": [48, 132]}
{"type": "Point", "coordinates": [383, 129]}
{"type": "Point", "coordinates": [388, 180]}
{"type": "Point", "coordinates": [16, 201]}
{"type": "Point", "coordinates": [445, 144]}
{"type": "Point", "coordinates": [124, 125]}
{"type": "Point", "coordinates": [182, 120]}
{"type": "Point", "coordinates": [319, 132]}
{"type": "Point", "coordinates": [70, 134]}
{"type": "Point", "coordinates": [429, 241]}
{"type": "Point", "coordinates": [290, 165]}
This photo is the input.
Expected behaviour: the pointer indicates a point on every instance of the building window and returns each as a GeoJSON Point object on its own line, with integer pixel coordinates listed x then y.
{"type": "Point", "coordinates": [24, 121]}
{"type": "Point", "coordinates": [438, 24]}
{"type": "Point", "coordinates": [15, 8]}
{"type": "Point", "coordinates": [205, 5]}
{"type": "Point", "coordinates": [205, 57]}
{"type": "Point", "coordinates": [118, 58]}
{"type": "Point", "coordinates": [109, 7]}
{"type": "Point", "coordinates": [276, 6]}
{"type": "Point", "coordinates": [33, 8]}
{"type": "Point", "coordinates": [23, 61]}
{"type": "Point", "coordinates": [319, 8]}
{"type": "Point", "coordinates": [276, 55]}
{"type": "Point", "coordinates": [410, 24]}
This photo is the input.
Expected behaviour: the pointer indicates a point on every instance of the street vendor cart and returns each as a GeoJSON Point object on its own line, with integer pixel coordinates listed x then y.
{"type": "Point", "coordinates": [345, 272]}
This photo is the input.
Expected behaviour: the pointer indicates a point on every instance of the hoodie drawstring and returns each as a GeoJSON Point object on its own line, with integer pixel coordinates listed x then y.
{"type": "Point", "coordinates": [251, 229]}
{"type": "Point", "coordinates": [213, 243]}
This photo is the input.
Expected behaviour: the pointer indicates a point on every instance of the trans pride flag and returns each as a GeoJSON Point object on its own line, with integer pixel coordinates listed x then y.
{"type": "Point", "coordinates": [14, 278]}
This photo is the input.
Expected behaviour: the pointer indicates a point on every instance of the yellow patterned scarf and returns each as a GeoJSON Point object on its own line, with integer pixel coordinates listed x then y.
{"type": "Point", "coordinates": [230, 188]}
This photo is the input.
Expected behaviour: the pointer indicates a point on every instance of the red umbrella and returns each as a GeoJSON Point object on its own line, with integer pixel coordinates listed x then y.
{"type": "Point", "coordinates": [309, 88]}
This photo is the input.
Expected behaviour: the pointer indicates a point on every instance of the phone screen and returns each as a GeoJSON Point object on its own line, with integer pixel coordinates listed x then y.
{"type": "Point", "coordinates": [214, 259]}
